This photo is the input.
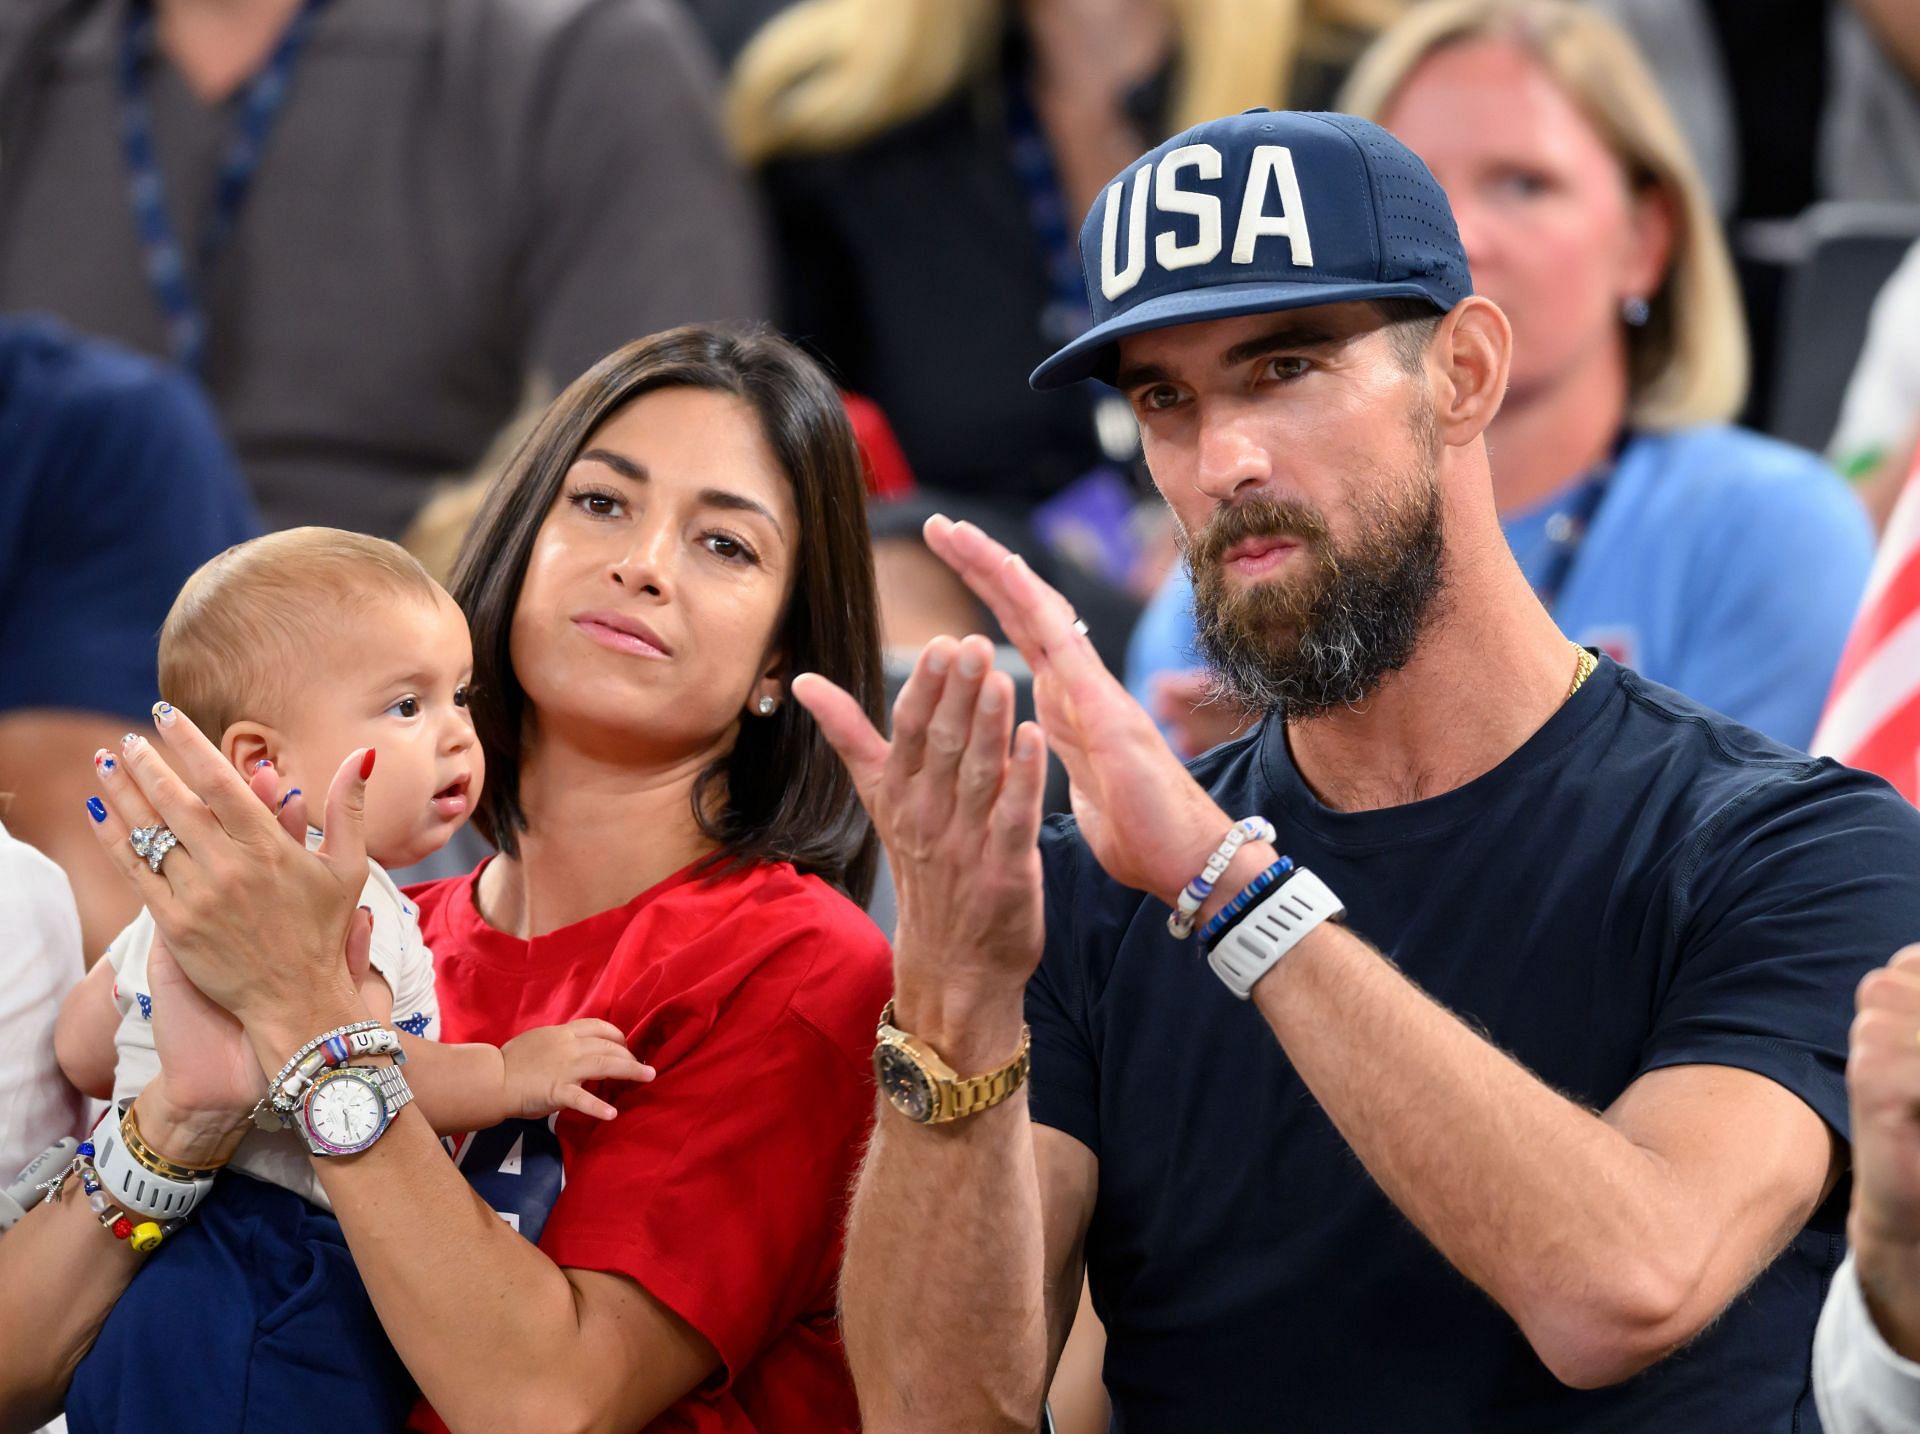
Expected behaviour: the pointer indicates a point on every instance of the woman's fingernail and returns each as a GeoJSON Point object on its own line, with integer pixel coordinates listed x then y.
{"type": "Point", "coordinates": [936, 660]}
{"type": "Point", "coordinates": [96, 809]}
{"type": "Point", "coordinates": [366, 765]}
{"type": "Point", "coordinates": [989, 698]}
{"type": "Point", "coordinates": [163, 713]}
{"type": "Point", "coordinates": [263, 762]}
{"type": "Point", "coordinates": [292, 792]}
{"type": "Point", "coordinates": [127, 741]}
{"type": "Point", "coordinates": [103, 760]}
{"type": "Point", "coordinates": [971, 664]}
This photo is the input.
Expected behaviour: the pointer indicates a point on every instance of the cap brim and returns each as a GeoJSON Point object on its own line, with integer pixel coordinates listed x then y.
{"type": "Point", "coordinates": [1093, 354]}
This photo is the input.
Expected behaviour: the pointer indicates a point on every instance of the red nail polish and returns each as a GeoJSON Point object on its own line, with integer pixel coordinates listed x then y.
{"type": "Point", "coordinates": [366, 765]}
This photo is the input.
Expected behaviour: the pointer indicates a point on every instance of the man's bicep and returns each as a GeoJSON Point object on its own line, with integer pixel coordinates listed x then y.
{"type": "Point", "coordinates": [1069, 1180]}
{"type": "Point", "coordinates": [1746, 1162]}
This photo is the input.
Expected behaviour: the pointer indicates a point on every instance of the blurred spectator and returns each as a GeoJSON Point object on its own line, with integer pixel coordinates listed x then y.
{"type": "Point", "coordinates": [928, 162]}
{"type": "Point", "coordinates": [1870, 138]}
{"type": "Point", "coordinates": [1708, 558]}
{"type": "Point", "coordinates": [114, 486]}
{"type": "Point", "coordinates": [39, 963]}
{"type": "Point", "coordinates": [368, 227]}
{"type": "Point", "coordinates": [1880, 418]}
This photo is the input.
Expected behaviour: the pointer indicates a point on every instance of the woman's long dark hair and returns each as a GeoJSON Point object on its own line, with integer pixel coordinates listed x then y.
{"type": "Point", "coordinates": [781, 794]}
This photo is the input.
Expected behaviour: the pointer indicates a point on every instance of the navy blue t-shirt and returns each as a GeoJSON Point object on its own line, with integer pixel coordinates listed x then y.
{"type": "Point", "coordinates": [1644, 883]}
{"type": "Point", "coordinates": [115, 484]}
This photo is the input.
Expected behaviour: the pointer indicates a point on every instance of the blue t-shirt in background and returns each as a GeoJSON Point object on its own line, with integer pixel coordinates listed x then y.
{"type": "Point", "coordinates": [1721, 563]}
{"type": "Point", "coordinates": [115, 484]}
{"type": "Point", "coordinates": [1643, 884]}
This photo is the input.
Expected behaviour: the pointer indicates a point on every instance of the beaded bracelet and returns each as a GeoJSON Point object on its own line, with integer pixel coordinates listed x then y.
{"type": "Point", "coordinates": [143, 1236]}
{"type": "Point", "coordinates": [1196, 892]}
{"type": "Point", "coordinates": [1230, 915]}
{"type": "Point", "coordinates": [292, 1079]}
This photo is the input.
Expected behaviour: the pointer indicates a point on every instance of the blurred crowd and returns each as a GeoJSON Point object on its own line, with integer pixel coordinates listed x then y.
{"type": "Point", "coordinates": [267, 263]}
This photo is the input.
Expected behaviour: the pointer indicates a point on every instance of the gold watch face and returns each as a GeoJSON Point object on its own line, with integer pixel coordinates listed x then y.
{"type": "Point", "coordinates": [903, 1082]}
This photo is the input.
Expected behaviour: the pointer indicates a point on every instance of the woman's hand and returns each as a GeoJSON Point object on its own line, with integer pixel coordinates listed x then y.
{"type": "Point", "coordinates": [255, 921]}
{"type": "Point", "coordinates": [960, 818]}
{"type": "Point", "coordinates": [1148, 822]}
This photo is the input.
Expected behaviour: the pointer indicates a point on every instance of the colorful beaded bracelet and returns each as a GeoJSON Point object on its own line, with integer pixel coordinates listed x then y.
{"type": "Point", "coordinates": [1228, 916]}
{"type": "Point", "coordinates": [142, 1235]}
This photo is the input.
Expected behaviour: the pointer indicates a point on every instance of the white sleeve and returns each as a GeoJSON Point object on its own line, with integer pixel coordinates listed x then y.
{"type": "Point", "coordinates": [401, 956]}
{"type": "Point", "coordinates": [128, 957]}
{"type": "Point", "coordinates": [39, 962]}
{"type": "Point", "coordinates": [1860, 1384]}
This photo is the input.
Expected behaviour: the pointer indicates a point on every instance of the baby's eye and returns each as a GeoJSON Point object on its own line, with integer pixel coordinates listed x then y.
{"type": "Point", "coordinates": [463, 695]}
{"type": "Point", "coordinates": [406, 707]}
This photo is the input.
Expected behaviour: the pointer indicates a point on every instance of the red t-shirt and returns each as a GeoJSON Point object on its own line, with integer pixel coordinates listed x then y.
{"type": "Point", "coordinates": [721, 1187]}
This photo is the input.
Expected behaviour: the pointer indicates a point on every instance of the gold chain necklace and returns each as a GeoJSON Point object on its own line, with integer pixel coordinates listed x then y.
{"type": "Point", "coordinates": [1583, 665]}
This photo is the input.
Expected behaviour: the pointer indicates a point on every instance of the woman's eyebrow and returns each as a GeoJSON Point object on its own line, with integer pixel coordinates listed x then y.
{"type": "Point", "coordinates": [625, 467]}
{"type": "Point", "coordinates": [740, 503]}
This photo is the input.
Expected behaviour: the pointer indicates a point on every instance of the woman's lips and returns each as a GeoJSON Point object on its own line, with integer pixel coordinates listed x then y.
{"type": "Point", "coordinates": [617, 638]}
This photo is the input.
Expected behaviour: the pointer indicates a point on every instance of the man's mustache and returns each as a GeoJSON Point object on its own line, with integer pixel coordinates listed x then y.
{"type": "Point", "coordinates": [1256, 518]}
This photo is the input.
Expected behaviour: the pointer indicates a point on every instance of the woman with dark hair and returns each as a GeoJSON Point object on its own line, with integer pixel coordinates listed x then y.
{"type": "Point", "coordinates": [680, 853]}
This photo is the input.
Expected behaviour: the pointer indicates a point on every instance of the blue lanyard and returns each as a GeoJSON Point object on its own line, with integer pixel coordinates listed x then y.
{"type": "Point", "coordinates": [1567, 530]}
{"type": "Point", "coordinates": [1067, 315]}
{"type": "Point", "coordinates": [166, 265]}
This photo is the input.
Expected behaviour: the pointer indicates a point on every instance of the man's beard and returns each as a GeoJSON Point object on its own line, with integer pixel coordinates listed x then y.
{"type": "Point", "coordinates": [1305, 645]}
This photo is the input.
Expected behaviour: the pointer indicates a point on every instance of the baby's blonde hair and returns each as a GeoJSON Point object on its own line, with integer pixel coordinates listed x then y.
{"type": "Point", "coordinates": [239, 634]}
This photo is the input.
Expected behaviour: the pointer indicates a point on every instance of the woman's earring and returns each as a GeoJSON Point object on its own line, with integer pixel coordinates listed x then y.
{"type": "Point", "coordinates": [1635, 311]}
{"type": "Point", "coordinates": [766, 706]}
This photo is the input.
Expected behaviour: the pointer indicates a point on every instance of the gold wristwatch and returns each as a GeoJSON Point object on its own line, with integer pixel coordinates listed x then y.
{"type": "Point", "coordinates": [924, 1088]}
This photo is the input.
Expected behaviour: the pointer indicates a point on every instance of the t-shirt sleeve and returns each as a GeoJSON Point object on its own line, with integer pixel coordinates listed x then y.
{"type": "Point", "coordinates": [127, 955]}
{"type": "Point", "coordinates": [134, 489]}
{"type": "Point", "coordinates": [1063, 1076]}
{"type": "Point", "coordinates": [1789, 895]}
{"type": "Point", "coordinates": [721, 1187]}
{"type": "Point", "coordinates": [402, 958]}
{"type": "Point", "coordinates": [639, 219]}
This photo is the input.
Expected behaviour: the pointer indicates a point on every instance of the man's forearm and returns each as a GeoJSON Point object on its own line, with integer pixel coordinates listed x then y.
{"type": "Point", "coordinates": [1542, 1204]}
{"type": "Point", "coordinates": [943, 1286]}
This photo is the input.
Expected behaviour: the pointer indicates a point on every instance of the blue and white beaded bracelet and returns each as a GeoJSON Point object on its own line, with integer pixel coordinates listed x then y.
{"type": "Point", "coordinates": [1196, 892]}
{"type": "Point", "coordinates": [1228, 916]}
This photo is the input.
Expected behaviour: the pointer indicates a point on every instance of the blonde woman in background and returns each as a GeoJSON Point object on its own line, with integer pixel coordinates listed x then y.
{"type": "Point", "coordinates": [927, 163]}
{"type": "Point", "coordinates": [1707, 557]}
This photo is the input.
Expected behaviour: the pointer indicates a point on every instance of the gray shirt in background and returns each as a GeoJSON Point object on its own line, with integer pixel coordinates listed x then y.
{"type": "Point", "coordinates": [459, 198]}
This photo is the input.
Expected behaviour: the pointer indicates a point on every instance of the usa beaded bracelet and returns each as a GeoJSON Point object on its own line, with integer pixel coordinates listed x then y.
{"type": "Point", "coordinates": [1196, 892]}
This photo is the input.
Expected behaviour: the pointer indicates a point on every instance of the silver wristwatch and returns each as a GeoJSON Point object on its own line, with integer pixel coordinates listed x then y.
{"type": "Point", "coordinates": [349, 1107]}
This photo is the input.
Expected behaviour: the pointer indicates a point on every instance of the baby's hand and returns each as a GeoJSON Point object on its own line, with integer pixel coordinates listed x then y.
{"type": "Point", "coordinates": [547, 1068]}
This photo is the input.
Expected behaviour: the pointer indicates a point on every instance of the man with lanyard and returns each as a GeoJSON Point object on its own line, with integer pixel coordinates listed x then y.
{"type": "Point", "coordinates": [1491, 1051]}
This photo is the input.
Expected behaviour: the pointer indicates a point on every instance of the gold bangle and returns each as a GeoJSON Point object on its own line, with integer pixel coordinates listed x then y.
{"type": "Point", "coordinates": [152, 1160]}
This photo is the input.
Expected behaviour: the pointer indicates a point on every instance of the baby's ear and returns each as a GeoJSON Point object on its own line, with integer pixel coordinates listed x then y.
{"type": "Point", "coordinates": [247, 744]}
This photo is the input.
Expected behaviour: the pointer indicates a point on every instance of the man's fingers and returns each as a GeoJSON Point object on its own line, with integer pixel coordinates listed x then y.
{"type": "Point", "coordinates": [1015, 823]}
{"type": "Point", "coordinates": [1063, 648]}
{"type": "Point", "coordinates": [983, 767]}
{"type": "Point", "coordinates": [953, 716]}
{"type": "Point", "coordinates": [978, 560]}
{"type": "Point", "coordinates": [203, 771]}
{"type": "Point", "coordinates": [846, 728]}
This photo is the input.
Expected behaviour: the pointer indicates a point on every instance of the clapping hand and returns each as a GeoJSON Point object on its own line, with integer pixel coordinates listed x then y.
{"type": "Point", "coordinates": [1883, 1088]}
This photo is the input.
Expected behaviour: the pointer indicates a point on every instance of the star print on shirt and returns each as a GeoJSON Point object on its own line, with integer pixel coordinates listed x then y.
{"type": "Point", "coordinates": [416, 1024]}
{"type": "Point", "coordinates": [146, 1005]}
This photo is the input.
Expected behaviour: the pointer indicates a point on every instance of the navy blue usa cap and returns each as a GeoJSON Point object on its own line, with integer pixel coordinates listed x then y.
{"type": "Point", "coordinates": [1255, 213]}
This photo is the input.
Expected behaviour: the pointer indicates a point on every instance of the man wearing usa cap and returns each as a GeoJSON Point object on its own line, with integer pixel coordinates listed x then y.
{"type": "Point", "coordinates": [1461, 1049]}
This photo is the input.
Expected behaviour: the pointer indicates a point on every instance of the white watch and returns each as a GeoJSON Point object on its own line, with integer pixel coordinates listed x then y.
{"type": "Point", "coordinates": [1256, 943]}
{"type": "Point", "coordinates": [347, 1108]}
{"type": "Point", "coordinates": [131, 1185]}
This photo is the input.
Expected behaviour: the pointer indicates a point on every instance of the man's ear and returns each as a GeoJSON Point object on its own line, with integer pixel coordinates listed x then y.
{"type": "Point", "coordinates": [1473, 350]}
{"type": "Point", "coordinates": [247, 744]}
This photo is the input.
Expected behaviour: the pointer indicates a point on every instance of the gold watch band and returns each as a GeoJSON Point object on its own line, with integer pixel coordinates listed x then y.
{"type": "Point", "coordinates": [956, 1096]}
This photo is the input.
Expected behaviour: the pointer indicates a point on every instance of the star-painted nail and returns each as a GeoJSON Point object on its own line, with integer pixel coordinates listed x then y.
{"type": "Point", "coordinates": [104, 761]}
{"type": "Point", "coordinates": [96, 809]}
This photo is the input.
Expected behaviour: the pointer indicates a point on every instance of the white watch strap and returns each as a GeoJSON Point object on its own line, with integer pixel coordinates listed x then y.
{"type": "Point", "coordinates": [132, 1186]}
{"type": "Point", "coordinates": [1272, 929]}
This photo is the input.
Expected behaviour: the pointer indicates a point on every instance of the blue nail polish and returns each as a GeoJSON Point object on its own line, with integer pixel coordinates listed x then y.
{"type": "Point", "coordinates": [96, 809]}
{"type": "Point", "coordinates": [292, 792]}
{"type": "Point", "coordinates": [109, 764]}
{"type": "Point", "coordinates": [263, 762]}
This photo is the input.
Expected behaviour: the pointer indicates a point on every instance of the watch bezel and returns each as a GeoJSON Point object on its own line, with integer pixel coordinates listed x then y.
{"type": "Point", "coordinates": [360, 1075]}
{"type": "Point", "coordinates": [899, 1052]}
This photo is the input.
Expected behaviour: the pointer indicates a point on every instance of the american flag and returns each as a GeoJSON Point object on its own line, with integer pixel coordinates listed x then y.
{"type": "Point", "coordinates": [1872, 719]}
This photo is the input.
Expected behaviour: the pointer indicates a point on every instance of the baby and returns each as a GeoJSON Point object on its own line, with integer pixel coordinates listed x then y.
{"type": "Point", "coordinates": [295, 650]}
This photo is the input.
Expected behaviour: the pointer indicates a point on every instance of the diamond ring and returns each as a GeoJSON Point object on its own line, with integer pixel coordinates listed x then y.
{"type": "Point", "coordinates": [153, 843]}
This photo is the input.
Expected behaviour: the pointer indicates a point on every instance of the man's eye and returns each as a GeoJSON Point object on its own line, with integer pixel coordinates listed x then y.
{"type": "Point", "coordinates": [406, 707]}
{"type": "Point", "coordinates": [1162, 396]}
{"type": "Point", "coordinates": [1285, 368]}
